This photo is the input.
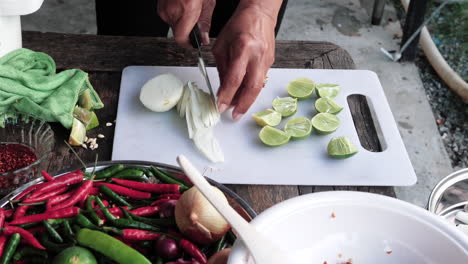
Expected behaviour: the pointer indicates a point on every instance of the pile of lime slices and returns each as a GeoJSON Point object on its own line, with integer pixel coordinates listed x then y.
{"type": "Point", "coordinates": [297, 128]}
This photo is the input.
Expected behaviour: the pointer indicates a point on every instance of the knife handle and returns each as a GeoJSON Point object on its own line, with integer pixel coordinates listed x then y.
{"type": "Point", "coordinates": [195, 37]}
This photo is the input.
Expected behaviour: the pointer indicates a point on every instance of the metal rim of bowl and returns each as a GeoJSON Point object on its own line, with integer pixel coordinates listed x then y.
{"type": "Point", "coordinates": [249, 210]}
{"type": "Point", "coordinates": [442, 186]}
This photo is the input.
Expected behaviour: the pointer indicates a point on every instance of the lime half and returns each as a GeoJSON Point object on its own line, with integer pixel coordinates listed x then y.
{"type": "Point", "coordinates": [326, 105]}
{"type": "Point", "coordinates": [298, 127]}
{"type": "Point", "coordinates": [267, 117]}
{"type": "Point", "coordinates": [286, 106]}
{"type": "Point", "coordinates": [77, 134]}
{"type": "Point", "coordinates": [301, 88]}
{"type": "Point", "coordinates": [327, 90]}
{"type": "Point", "coordinates": [325, 123]}
{"type": "Point", "coordinates": [273, 137]}
{"type": "Point", "coordinates": [341, 148]}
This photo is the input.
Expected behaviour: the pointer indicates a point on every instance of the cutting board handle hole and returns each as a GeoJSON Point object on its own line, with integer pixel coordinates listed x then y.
{"type": "Point", "coordinates": [366, 124]}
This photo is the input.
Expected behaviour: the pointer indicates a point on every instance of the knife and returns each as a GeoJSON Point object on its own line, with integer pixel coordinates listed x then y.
{"type": "Point", "coordinates": [195, 41]}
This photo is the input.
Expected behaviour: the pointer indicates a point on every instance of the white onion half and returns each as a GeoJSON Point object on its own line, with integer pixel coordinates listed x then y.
{"type": "Point", "coordinates": [161, 93]}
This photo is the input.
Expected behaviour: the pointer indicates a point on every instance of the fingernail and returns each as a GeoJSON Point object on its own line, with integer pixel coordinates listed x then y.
{"type": "Point", "coordinates": [205, 38]}
{"type": "Point", "coordinates": [237, 116]}
{"type": "Point", "coordinates": [222, 107]}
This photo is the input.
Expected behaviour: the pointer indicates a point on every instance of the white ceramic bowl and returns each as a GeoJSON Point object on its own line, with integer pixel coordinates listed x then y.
{"type": "Point", "coordinates": [335, 227]}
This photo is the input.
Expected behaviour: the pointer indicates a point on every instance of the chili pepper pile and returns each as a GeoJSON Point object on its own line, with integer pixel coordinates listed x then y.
{"type": "Point", "coordinates": [115, 212]}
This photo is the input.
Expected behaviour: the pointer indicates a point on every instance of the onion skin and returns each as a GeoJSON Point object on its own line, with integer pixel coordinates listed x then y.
{"type": "Point", "coordinates": [221, 257]}
{"type": "Point", "coordinates": [198, 219]}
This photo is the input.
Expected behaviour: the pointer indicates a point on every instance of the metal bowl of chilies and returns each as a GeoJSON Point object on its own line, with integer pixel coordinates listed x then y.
{"type": "Point", "coordinates": [234, 200]}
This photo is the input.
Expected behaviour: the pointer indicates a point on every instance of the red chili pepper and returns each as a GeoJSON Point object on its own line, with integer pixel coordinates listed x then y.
{"type": "Point", "coordinates": [57, 199]}
{"type": "Point", "coordinates": [27, 236]}
{"type": "Point", "coordinates": [47, 176]}
{"type": "Point", "coordinates": [57, 214]}
{"type": "Point", "coordinates": [8, 213]}
{"type": "Point", "coordinates": [145, 211]}
{"type": "Point", "coordinates": [149, 187]}
{"type": "Point", "coordinates": [174, 196]}
{"type": "Point", "coordinates": [94, 191]}
{"type": "Point", "coordinates": [137, 234]}
{"type": "Point", "coordinates": [117, 212]}
{"type": "Point", "coordinates": [20, 211]}
{"type": "Point", "coordinates": [77, 196]}
{"type": "Point", "coordinates": [192, 250]}
{"type": "Point", "coordinates": [161, 201]}
{"type": "Point", "coordinates": [2, 217]}
{"type": "Point", "coordinates": [28, 191]}
{"type": "Point", "coordinates": [3, 240]}
{"type": "Point", "coordinates": [21, 261]}
{"type": "Point", "coordinates": [46, 195]}
{"type": "Point", "coordinates": [36, 229]}
{"type": "Point", "coordinates": [95, 206]}
{"type": "Point", "coordinates": [125, 191]}
{"type": "Point", "coordinates": [68, 179]}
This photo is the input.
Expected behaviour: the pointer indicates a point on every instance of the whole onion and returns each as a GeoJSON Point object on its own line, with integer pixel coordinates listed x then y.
{"type": "Point", "coordinates": [166, 209]}
{"type": "Point", "coordinates": [198, 219]}
{"type": "Point", "coordinates": [167, 248]}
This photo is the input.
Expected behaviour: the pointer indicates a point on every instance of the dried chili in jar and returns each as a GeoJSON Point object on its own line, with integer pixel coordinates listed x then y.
{"type": "Point", "coordinates": [15, 156]}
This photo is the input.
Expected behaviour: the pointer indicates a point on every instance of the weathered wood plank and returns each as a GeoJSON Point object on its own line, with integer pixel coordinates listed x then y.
{"type": "Point", "coordinates": [112, 53]}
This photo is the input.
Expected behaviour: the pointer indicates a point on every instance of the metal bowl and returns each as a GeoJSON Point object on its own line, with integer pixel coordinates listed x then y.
{"type": "Point", "coordinates": [32, 133]}
{"type": "Point", "coordinates": [234, 200]}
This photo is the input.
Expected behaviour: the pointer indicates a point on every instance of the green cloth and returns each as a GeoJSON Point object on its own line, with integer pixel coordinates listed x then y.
{"type": "Point", "coordinates": [29, 84]}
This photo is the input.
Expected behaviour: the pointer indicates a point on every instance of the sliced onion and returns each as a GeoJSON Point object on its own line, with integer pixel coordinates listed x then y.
{"type": "Point", "coordinates": [161, 93]}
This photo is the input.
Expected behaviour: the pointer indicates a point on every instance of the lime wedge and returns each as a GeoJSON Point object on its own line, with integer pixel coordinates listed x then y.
{"type": "Point", "coordinates": [78, 133]}
{"type": "Point", "coordinates": [326, 105]}
{"type": "Point", "coordinates": [286, 106]}
{"type": "Point", "coordinates": [273, 137]}
{"type": "Point", "coordinates": [325, 123]}
{"type": "Point", "coordinates": [327, 90]}
{"type": "Point", "coordinates": [301, 88]}
{"type": "Point", "coordinates": [298, 127]}
{"type": "Point", "coordinates": [341, 148]}
{"type": "Point", "coordinates": [267, 117]}
{"type": "Point", "coordinates": [93, 122]}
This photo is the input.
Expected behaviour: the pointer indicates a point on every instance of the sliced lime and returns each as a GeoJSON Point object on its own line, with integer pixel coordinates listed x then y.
{"type": "Point", "coordinates": [267, 117]}
{"type": "Point", "coordinates": [273, 137]}
{"type": "Point", "coordinates": [298, 127]}
{"type": "Point", "coordinates": [286, 106]}
{"type": "Point", "coordinates": [93, 122]}
{"type": "Point", "coordinates": [78, 133]}
{"type": "Point", "coordinates": [341, 148]}
{"type": "Point", "coordinates": [325, 123]}
{"type": "Point", "coordinates": [326, 105]}
{"type": "Point", "coordinates": [327, 90]}
{"type": "Point", "coordinates": [301, 88]}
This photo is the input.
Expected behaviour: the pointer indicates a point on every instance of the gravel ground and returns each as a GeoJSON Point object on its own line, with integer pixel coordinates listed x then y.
{"type": "Point", "coordinates": [450, 33]}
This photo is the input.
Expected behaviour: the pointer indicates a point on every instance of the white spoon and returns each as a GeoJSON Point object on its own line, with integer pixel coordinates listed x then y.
{"type": "Point", "coordinates": [261, 247]}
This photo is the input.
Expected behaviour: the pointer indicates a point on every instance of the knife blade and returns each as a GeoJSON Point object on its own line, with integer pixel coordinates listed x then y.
{"type": "Point", "coordinates": [195, 41]}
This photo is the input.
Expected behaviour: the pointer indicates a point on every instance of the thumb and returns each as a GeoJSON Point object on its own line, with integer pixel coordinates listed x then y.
{"type": "Point", "coordinates": [204, 22]}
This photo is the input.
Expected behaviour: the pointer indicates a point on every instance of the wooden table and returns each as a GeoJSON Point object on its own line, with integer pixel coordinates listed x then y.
{"type": "Point", "coordinates": [104, 57]}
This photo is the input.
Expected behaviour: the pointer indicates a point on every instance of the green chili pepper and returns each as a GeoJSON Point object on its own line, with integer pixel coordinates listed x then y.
{"type": "Point", "coordinates": [28, 252]}
{"type": "Point", "coordinates": [159, 260]}
{"type": "Point", "coordinates": [166, 222]}
{"type": "Point", "coordinates": [104, 209]}
{"type": "Point", "coordinates": [56, 221]}
{"type": "Point", "coordinates": [92, 214]}
{"type": "Point", "coordinates": [129, 174]}
{"type": "Point", "coordinates": [220, 244]}
{"type": "Point", "coordinates": [29, 225]}
{"type": "Point", "coordinates": [110, 247]}
{"type": "Point", "coordinates": [126, 213]}
{"type": "Point", "coordinates": [108, 172]}
{"type": "Point", "coordinates": [165, 178]}
{"type": "Point", "coordinates": [51, 246]}
{"type": "Point", "coordinates": [231, 237]}
{"type": "Point", "coordinates": [113, 196]}
{"type": "Point", "coordinates": [149, 173]}
{"type": "Point", "coordinates": [52, 232]}
{"type": "Point", "coordinates": [76, 228]}
{"type": "Point", "coordinates": [67, 230]}
{"type": "Point", "coordinates": [10, 248]}
{"type": "Point", "coordinates": [127, 223]}
{"type": "Point", "coordinates": [83, 221]}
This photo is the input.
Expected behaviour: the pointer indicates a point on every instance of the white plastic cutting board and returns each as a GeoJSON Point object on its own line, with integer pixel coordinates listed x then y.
{"type": "Point", "coordinates": [144, 135]}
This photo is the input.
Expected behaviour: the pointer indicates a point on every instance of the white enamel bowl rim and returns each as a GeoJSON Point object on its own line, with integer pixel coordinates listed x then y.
{"type": "Point", "coordinates": [349, 198]}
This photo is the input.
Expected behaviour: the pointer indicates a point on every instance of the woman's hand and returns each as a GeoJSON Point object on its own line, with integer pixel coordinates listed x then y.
{"type": "Point", "coordinates": [221, 257]}
{"type": "Point", "coordinates": [244, 51]}
{"type": "Point", "coordinates": [182, 15]}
